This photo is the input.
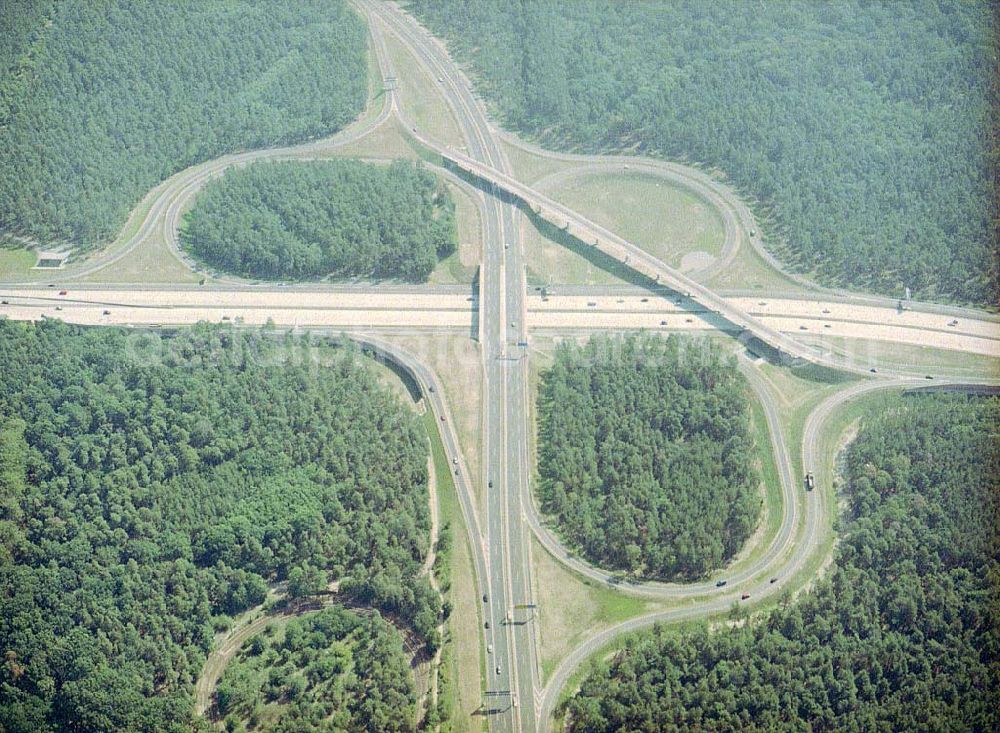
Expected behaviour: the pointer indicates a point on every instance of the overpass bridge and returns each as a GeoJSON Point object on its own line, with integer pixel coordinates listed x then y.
{"type": "Point", "coordinates": [787, 348]}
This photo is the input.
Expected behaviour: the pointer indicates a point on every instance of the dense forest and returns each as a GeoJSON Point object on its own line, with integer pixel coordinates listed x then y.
{"type": "Point", "coordinates": [332, 671]}
{"type": "Point", "coordinates": [21, 22]}
{"type": "Point", "coordinates": [862, 130]}
{"type": "Point", "coordinates": [902, 635]}
{"type": "Point", "coordinates": [341, 217]}
{"type": "Point", "coordinates": [646, 459]}
{"type": "Point", "coordinates": [101, 101]}
{"type": "Point", "coordinates": [152, 486]}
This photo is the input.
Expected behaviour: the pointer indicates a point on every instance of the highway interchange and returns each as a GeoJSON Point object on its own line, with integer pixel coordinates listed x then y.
{"type": "Point", "coordinates": [443, 308]}
{"type": "Point", "coordinates": [501, 315]}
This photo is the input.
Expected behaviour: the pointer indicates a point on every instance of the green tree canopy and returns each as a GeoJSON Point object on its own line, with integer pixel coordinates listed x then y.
{"type": "Point", "coordinates": [645, 454]}
{"type": "Point", "coordinates": [149, 484]}
{"type": "Point", "coordinates": [342, 217]}
{"type": "Point", "coordinates": [863, 132]}
{"type": "Point", "coordinates": [332, 671]}
{"type": "Point", "coordinates": [101, 101]}
{"type": "Point", "coordinates": [902, 635]}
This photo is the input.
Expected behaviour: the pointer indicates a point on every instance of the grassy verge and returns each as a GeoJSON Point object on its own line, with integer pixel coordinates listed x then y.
{"type": "Point", "coordinates": [421, 96]}
{"type": "Point", "coordinates": [376, 84]}
{"type": "Point", "coordinates": [151, 262]}
{"type": "Point", "coordinates": [769, 473]}
{"type": "Point", "coordinates": [455, 359]}
{"type": "Point", "coordinates": [940, 362]}
{"type": "Point", "coordinates": [794, 388]}
{"type": "Point", "coordinates": [836, 427]}
{"type": "Point", "coordinates": [461, 266]}
{"type": "Point", "coordinates": [16, 264]}
{"type": "Point", "coordinates": [132, 226]}
{"type": "Point", "coordinates": [747, 271]}
{"type": "Point", "coordinates": [664, 219]}
{"type": "Point", "coordinates": [555, 257]}
{"type": "Point", "coordinates": [465, 664]}
{"type": "Point", "coordinates": [770, 517]}
{"type": "Point", "coordinates": [832, 436]}
{"type": "Point", "coordinates": [750, 271]}
{"type": "Point", "coordinates": [574, 607]}
{"type": "Point", "coordinates": [529, 167]}
{"type": "Point", "coordinates": [388, 141]}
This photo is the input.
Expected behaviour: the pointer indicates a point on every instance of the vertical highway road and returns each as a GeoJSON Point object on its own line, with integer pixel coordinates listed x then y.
{"type": "Point", "coordinates": [512, 663]}
{"type": "Point", "coordinates": [514, 701]}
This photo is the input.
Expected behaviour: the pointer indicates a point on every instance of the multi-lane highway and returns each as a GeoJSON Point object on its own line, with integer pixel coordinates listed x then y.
{"type": "Point", "coordinates": [637, 259]}
{"type": "Point", "coordinates": [485, 160]}
{"type": "Point", "coordinates": [162, 207]}
{"type": "Point", "coordinates": [457, 308]}
{"type": "Point", "coordinates": [503, 312]}
{"type": "Point", "coordinates": [511, 663]}
{"type": "Point", "coordinates": [758, 586]}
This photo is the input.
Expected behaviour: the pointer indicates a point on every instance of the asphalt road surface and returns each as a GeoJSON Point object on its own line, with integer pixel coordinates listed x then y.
{"type": "Point", "coordinates": [459, 308]}
{"type": "Point", "coordinates": [758, 587]}
{"type": "Point", "coordinates": [511, 665]}
{"type": "Point", "coordinates": [505, 313]}
{"type": "Point", "coordinates": [507, 453]}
